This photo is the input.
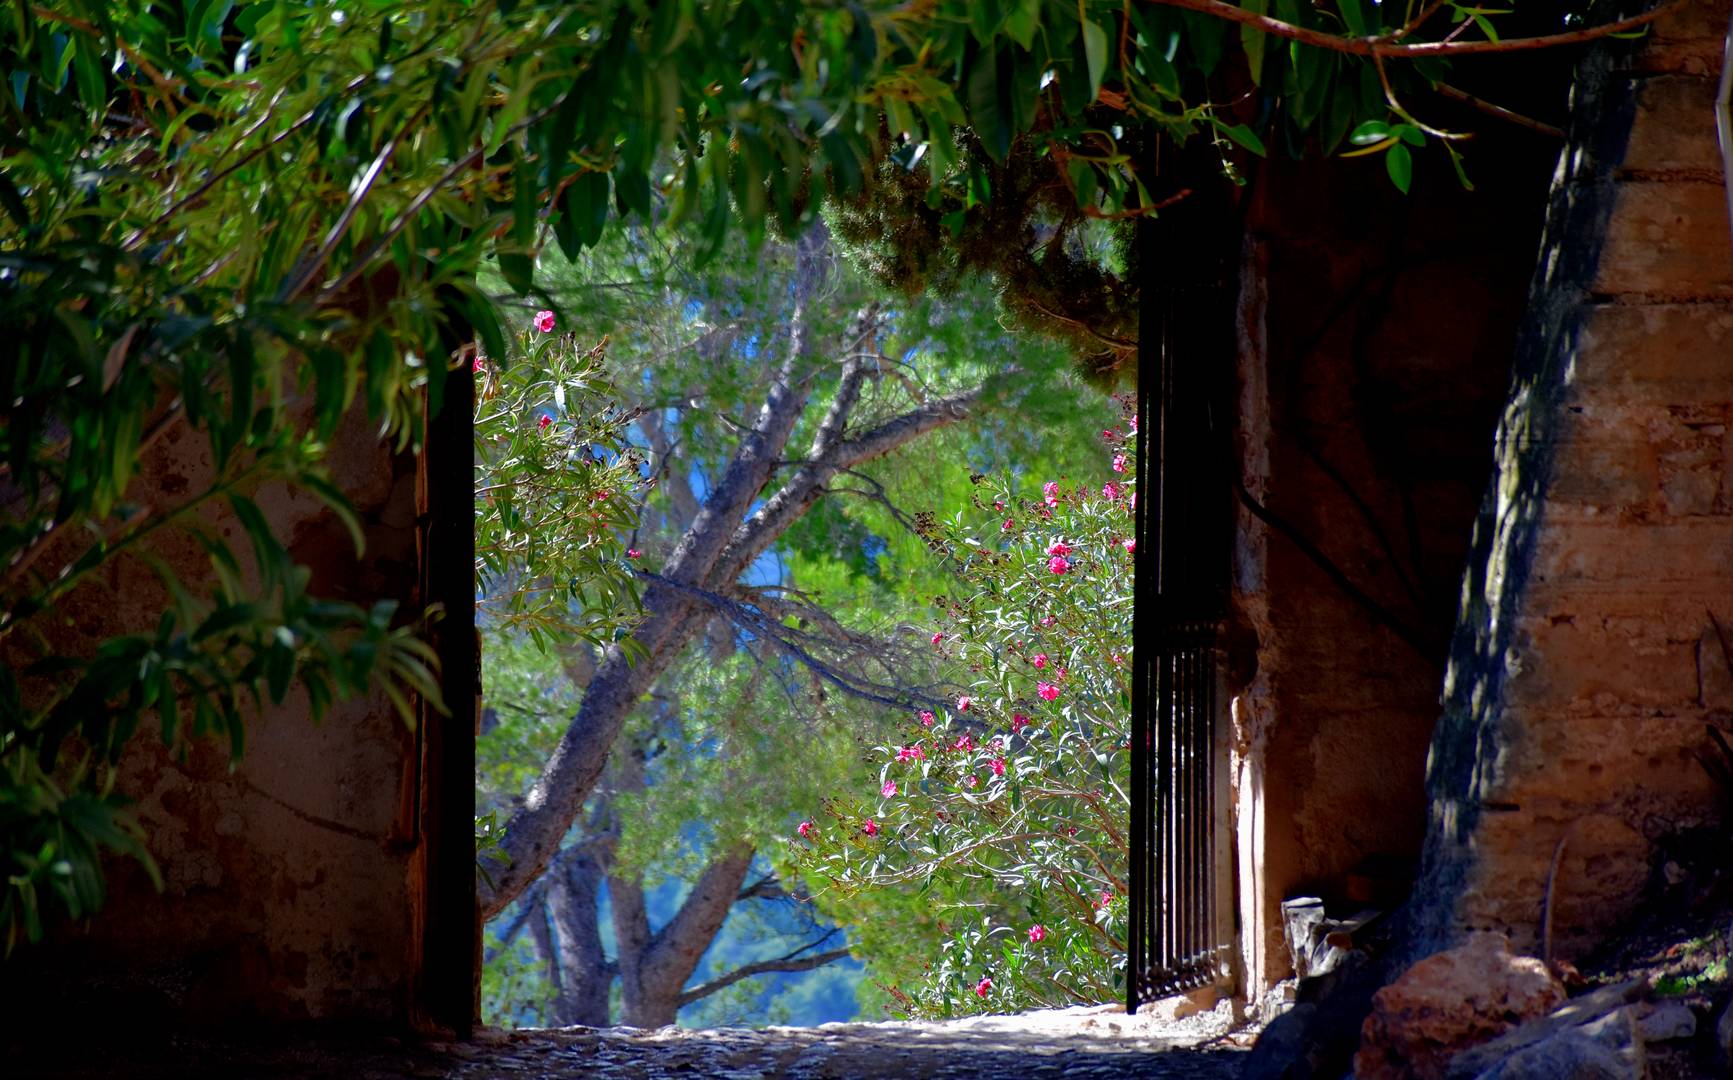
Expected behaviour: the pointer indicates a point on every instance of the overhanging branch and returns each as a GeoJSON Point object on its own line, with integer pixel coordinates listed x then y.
{"type": "Point", "coordinates": [1390, 46]}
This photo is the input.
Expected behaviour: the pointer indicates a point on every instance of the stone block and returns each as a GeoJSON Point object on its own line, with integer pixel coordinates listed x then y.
{"type": "Point", "coordinates": [1574, 660]}
{"type": "Point", "coordinates": [1684, 553]}
{"type": "Point", "coordinates": [1674, 128]}
{"type": "Point", "coordinates": [1686, 39]}
{"type": "Point", "coordinates": [1599, 884]}
{"type": "Point", "coordinates": [1654, 354]}
{"type": "Point", "coordinates": [1668, 240]}
{"type": "Point", "coordinates": [1610, 474]}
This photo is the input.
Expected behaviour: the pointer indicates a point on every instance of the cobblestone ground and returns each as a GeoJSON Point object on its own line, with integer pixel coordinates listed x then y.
{"type": "Point", "coordinates": [1067, 1044]}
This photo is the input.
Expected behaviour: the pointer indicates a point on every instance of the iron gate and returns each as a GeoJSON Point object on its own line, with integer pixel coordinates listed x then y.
{"type": "Point", "coordinates": [1176, 940]}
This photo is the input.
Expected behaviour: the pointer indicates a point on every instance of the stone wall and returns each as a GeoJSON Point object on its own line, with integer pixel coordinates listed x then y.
{"type": "Point", "coordinates": [1586, 663]}
{"type": "Point", "coordinates": [290, 879]}
{"type": "Point", "coordinates": [1376, 333]}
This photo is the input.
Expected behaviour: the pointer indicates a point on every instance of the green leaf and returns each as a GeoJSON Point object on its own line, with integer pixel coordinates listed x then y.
{"type": "Point", "coordinates": [268, 555]}
{"type": "Point", "coordinates": [1253, 40]}
{"type": "Point", "coordinates": [987, 112]}
{"type": "Point", "coordinates": [1456, 163]}
{"type": "Point", "coordinates": [1370, 132]}
{"type": "Point", "coordinates": [1095, 51]}
{"type": "Point", "coordinates": [518, 269]}
{"type": "Point", "coordinates": [1022, 21]}
{"type": "Point", "coordinates": [1353, 17]}
{"type": "Point", "coordinates": [1400, 165]}
{"type": "Point", "coordinates": [1083, 180]}
{"type": "Point", "coordinates": [1242, 135]}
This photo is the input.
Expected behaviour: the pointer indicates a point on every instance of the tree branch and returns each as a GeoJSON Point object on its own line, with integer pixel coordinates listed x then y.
{"type": "Point", "coordinates": [807, 484]}
{"type": "Point", "coordinates": [1391, 46]}
{"type": "Point", "coordinates": [791, 962]}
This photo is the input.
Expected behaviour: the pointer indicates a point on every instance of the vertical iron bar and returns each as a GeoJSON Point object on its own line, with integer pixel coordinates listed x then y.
{"type": "Point", "coordinates": [1142, 652]}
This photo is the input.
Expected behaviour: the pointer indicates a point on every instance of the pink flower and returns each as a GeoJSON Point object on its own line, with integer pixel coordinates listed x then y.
{"type": "Point", "coordinates": [938, 637]}
{"type": "Point", "coordinates": [911, 753]}
{"type": "Point", "coordinates": [1050, 493]}
{"type": "Point", "coordinates": [1110, 491]}
{"type": "Point", "coordinates": [1110, 434]}
{"type": "Point", "coordinates": [1048, 620]}
{"type": "Point", "coordinates": [1134, 423]}
{"type": "Point", "coordinates": [964, 742]}
{"type": "Point", "coordinates": [1106, 899]}
{"type": "Point", "coordinates": [971, 780]}
{"type": "Point", "coordinates": [963, 703]}
{"type": "Point", "coordinates": [1008, 526]}
{"type": "Point", "coordinates": [889, 789]}
{"type": "Point", "coordinates": [544, 421]}
{"type": "Point", "coordinates": [982, 987]}
{"type": "Point", "coordinates": [1118, 659]}
{"type": "Point", "coordinates": [1058, 565]}
{"type": "Point", "coordinates": [1037, 933]}
{"type": "Point", "coordinates": [1058, 547]}
{"type": "Point", "coordinates": [478, 366]}
{"type": "Point", "coordinates": [1040, 661]}
{"type": "Point", "coordinates": [805, 829]}
{"type": "Point", "coordinates": [1119, 462]}
{"type": "Point", "coordinates": [998, 765]}
{"type": "Point", "coordinates": [870, 827]}
{"type": "Point", "coordinates": [1131, 504]}
{"type": "Point", "coordinates": [926, 718]}
{"type": "Point", "coordinates": [998, 504]}
{"type": "Point", "coordinates": [1018, 722]}
{"type": "Point", "coordinates": [544, 321]}
{"type": "Point", "coordinates": [1047, 691]}
{"type": "Point", "coordinates": [1130, 546]}
{"type": "Point", "coordinates": [634, 553]}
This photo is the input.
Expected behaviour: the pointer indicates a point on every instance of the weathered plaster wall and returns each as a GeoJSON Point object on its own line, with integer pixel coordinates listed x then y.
{"type": "Point", "coordinates": [288, 880]}
{"type": "Point", "coordinates": [1376, 334]}
{"type": "Point", "coordinates": [1585, 664]}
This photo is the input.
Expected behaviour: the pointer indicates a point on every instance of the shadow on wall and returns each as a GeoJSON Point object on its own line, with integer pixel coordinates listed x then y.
{"type": "Point", "coordinates": [1474, 734]}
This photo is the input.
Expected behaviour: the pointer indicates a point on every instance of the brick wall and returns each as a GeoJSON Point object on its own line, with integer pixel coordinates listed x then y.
{"type": "Point", "coordinates": [1585, 664]}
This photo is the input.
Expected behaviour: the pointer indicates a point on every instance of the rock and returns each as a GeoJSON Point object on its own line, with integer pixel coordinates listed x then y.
{"type": "Point", "coordinates": [1604, 1049]}
{"type": "Point", "coordinates": [1280, 1052]}
{"type": "Point", "coordinates": [1302, 918]}
{"type": "Point", "coordinates": [1449, 1002]}
{"type": "Point", "coordinates": [1666, 1020]}
{"type": "Point", "coordinates": [1198, 1001]}
{"type": "Point", "coordinates": [1279, 999]}
{"type": "Point", "coordinates": [1316, 1039]}
{"type": "Point", "coordinates": [1575, 1013]}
